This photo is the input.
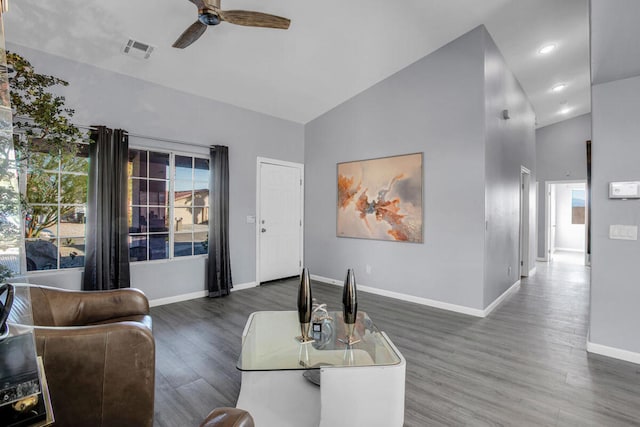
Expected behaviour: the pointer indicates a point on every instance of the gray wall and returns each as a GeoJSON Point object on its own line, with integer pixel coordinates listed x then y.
{"type": "Point", "coordinates": [614, 263]}
{"type": "Point", "coordinates": [561, 155]}
{"type": "Point", "coordinates": [510, 144]}
{"type": "Point", "coordinates": [435, 106]}
{"type": "Point", "coordinates": [115, 100]}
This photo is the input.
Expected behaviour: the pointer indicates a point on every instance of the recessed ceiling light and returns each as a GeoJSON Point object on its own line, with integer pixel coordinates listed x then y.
{"type": "Point", "coordinates": [565, 110]}
{"type": "Point", "coordinates": [559, 87]}
{"type": "Point", "coordinates": [546, 49]}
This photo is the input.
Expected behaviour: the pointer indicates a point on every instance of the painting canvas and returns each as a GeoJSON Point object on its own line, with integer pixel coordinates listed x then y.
{"type": "Point", "coordinates": [381, 199]}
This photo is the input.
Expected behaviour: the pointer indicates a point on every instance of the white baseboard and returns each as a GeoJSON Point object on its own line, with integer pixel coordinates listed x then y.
{"type": "Point", "coordinates": [569, 250]}
{"type": "Point", "coordinates": [177, 298]}
{"type": "Point", "coordinates": [243, 286]}
{"type": "Point", "coordinates": [425, 301]}
{"type": "Point", "coordinates": [533, 271]}
{"type": "Point", "coordinates": [409, 298]}
{"type": "Point", "coordinates": [501, 298]}
{"type": "Point", "coordinates": [541, 259]}
{"type": "Point", "coordinates": [194, 295]}
{"type": "Point", "coordinates": [616, 353]}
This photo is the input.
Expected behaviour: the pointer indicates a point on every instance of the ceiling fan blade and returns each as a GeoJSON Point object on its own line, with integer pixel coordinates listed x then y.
{"type": "Point", "coordinates": [190, 35]}
{"type": "Point", "coordinates": [254, 19]}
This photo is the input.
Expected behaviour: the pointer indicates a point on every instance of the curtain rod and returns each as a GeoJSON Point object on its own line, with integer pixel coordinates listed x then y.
{"type": "Point", "coordinates": [155, 138]}
{"type": "Point", "coordinates": [135, 135]}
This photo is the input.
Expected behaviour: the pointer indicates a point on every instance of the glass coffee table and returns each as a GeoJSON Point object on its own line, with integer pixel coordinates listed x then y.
{"type": "Point", "coordinates": [360, 385]}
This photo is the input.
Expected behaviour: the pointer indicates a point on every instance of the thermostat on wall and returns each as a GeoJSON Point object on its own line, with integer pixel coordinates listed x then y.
{"type": "Point", "coordinates": [624, 190]}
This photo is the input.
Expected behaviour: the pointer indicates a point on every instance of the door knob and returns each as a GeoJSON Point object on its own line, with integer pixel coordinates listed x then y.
{"type": "Point", "coordinates": [263, 230]}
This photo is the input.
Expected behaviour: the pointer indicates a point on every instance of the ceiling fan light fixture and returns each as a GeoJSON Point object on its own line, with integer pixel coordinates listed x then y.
{"type": "Point", "coordinates": [209, 18]}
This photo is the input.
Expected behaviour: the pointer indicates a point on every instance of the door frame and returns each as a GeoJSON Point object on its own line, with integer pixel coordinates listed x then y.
{"type": "Point", "coordinates": [525, 211]}
{"type": "Point", "coordinates": [547, 214]}
{"type": "Point", "coordinates": [265, 160]}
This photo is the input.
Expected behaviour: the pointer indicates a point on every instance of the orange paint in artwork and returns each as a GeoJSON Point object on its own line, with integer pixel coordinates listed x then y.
{"type": "Point", "coordinates": [346, 190]}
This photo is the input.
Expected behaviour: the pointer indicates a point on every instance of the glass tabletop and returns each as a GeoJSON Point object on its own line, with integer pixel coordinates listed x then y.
{"type": "Point", "coordinates": [270, 343]}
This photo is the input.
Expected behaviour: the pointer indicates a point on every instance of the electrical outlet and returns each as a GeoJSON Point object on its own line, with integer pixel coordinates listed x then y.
{"type": "Point", "coordinates": [368, 269]}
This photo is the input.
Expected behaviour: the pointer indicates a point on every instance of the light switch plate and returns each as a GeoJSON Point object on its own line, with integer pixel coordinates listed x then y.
{"type": "Point", "coordinates": [251, 219]}
{"type": "Point", "coordinates": [623, 232]}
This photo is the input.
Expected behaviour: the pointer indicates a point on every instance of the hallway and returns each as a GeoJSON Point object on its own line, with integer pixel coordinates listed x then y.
{"type": "Point", "coordinates": [523, 365]}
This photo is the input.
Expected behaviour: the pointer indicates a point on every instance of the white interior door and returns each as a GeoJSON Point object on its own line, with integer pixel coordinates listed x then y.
{"type": "Point", "coordinates": [279, 220]}
{"type": "Point", "coordinates": [552, 221]}
{"type": "Point", "coordinates": [525, 177]}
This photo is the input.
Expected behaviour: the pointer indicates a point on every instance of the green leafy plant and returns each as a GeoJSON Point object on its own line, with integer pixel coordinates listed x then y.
{"type": "Point", "coordinates": [5, 273]}
{"type": "Point", "coordinates": [39, 115]}
{"type": "Point", "coordinates": [44, 137]}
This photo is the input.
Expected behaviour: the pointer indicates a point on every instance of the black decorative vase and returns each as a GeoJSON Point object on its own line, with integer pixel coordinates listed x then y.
{"type": "Point", "coordinates": [350, 306]}
{"type": "Point", "coordinates": [304, 305]}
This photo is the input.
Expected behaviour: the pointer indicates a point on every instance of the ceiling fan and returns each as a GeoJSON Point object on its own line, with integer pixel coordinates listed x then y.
{"type": "Point", "coordinates": [209, 13]}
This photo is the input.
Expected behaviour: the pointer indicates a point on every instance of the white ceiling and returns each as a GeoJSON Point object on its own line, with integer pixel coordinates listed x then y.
{"type": "Point", "coordinates": [333, 50]}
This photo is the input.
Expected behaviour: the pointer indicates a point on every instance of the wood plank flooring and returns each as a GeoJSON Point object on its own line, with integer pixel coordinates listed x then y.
{"type": "Point", "coordinates": [524, 365]}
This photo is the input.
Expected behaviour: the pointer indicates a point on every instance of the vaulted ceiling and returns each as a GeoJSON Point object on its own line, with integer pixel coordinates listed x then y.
{"type": "Point", "coordinates": [332, 51]}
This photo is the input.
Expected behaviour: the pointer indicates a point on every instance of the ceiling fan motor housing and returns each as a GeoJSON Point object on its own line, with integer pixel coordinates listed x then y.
{"type": "Point", "coordinates": [209, 18]}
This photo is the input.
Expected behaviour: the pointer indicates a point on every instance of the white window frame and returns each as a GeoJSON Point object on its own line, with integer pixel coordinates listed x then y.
{"type": "Point", "coordinates": [24, 174]}
{"type": "Point", "coordinates": [172, 180]}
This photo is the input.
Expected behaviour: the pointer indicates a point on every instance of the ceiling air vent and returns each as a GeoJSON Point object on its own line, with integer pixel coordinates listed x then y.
{"type": "Point", "coordinates": [137, 49]}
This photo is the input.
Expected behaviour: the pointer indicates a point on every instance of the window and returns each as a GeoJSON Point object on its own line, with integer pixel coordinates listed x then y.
{"type": "Point", "coordinates": [577, 206]}
{"type": "Point", "coordinates": [168, 205]}
{"type": "Point", "coordinates": [56, 203]}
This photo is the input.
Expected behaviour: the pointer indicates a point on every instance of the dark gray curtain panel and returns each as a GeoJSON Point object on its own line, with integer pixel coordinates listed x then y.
{"type": "Point", "coordinates": [219, 263]}
{"type": "Point", "coordinates": [107, 247]}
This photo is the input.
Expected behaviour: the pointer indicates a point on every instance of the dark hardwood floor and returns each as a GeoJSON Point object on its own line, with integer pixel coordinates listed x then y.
{"type": "Point", "coordinates": [523, 365]}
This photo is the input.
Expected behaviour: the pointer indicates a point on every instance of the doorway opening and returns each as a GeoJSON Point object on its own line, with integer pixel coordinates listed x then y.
{"type": "Point", "coordinates": [567, 219]}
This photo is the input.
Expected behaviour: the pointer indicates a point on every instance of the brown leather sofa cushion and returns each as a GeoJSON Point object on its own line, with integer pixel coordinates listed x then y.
{"type": "Point", "coordinates": [228, 417]}
{"type": "Point", "coordinates": [60, 307]}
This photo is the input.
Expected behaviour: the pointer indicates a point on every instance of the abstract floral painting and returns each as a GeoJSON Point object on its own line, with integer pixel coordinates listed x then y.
{"type": "Point", "coordinates": [381, 199]}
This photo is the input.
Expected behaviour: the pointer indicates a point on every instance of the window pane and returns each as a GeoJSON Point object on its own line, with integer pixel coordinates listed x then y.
{"type": "Point", "coordinates": [72, 221]}
{"type": "Point", "coordinates": [73, 189]}
{"type": "Point", "coordinates": [42, 187]}
{"type": "Point", "coordinates": [158, 246]}
{"type": "Point", "coordinates": [41, 222]}
{"type": "Point", "coordinates": [158, 165]}
{"type": "Point", "coordinates": [138, 163]}
{"type": "Point", "coordinates": [138, 219]}
{"type": "Point", "coordinates": [183, 218]}
{"type": "Point", "coordinates": [138, 191]}
{"type": "Point", "coordinates": [158, 193]}
{"type": "Point", "coordinates": [578, 202]}
{"type": "Point", "coordinates": [201, 216]}
{"type": "Point", "coordinates": [184, 170]}
{"type": "Point", "coordinates": [183, 244]}
{"type": "Point", "coordinates": [200, 243]}
{"type": "Point", "coordinates": [137, 248]}
{"type": "Point", "coordinates": [201, 196]}
{"type": "Point", "coordinates": [43, 160]}
{"type": "Point", "coordinates": [71, 252]}
{"type": "Point", "coordinates": [183, 186]}
{"type": "Point", "coordinates": [201, 172]}
{"type": "Point", "coordinates": [41, 254]}
{"type": "Point", "coordinates": [158, 218]}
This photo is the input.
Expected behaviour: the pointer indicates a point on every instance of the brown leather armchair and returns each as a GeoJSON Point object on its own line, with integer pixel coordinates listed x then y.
{"type": "Point", "coordinates": [228, 417]}
{"type": "Point", "coordinates": [98, 353]}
